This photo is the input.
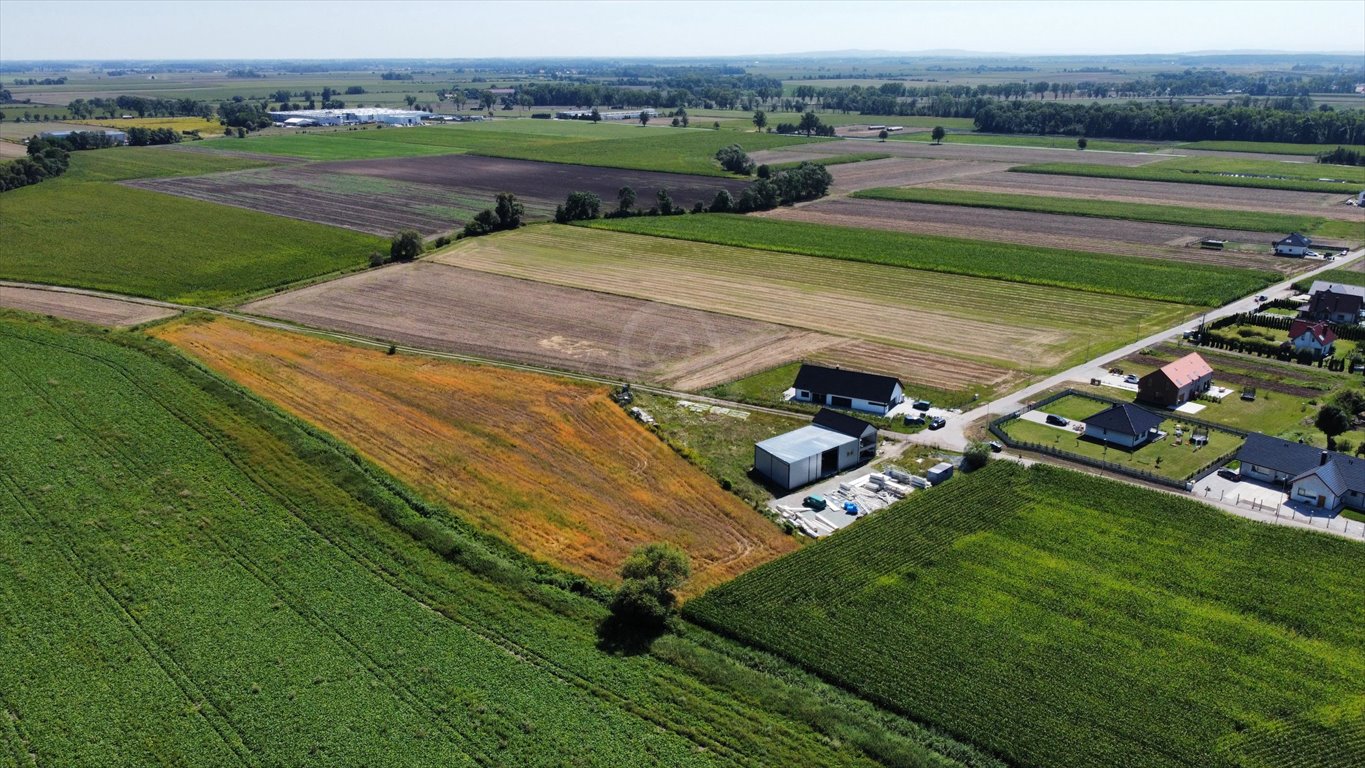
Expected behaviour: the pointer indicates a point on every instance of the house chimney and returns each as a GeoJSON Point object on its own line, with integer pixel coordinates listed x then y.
{"type": "Point", "coordinates": [1322, 460]}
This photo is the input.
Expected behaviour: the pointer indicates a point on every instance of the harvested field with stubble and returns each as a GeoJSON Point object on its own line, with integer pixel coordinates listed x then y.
{"type": "Point", "coordinates": [1123, 238]}
{"type": "Point", "coordinates": [1164, 193]}
{"type": "Point", "coordinates": [429, 194]}
{"type": "Point", "coordinates": [440, 307]}
{"type": "Point", "coordinates": [78, 306]}
{"type": "Point", "coordinates": [550, 465]}
{"type": "Point", "coordinates": [1032, 328]}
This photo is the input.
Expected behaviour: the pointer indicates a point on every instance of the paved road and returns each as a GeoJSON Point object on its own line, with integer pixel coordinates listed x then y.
{"type": "Point", "coordinates": [953, 435]}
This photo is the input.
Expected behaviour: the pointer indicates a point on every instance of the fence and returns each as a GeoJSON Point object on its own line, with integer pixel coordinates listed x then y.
{"type": "Point", "coordinates": [1184, 484]}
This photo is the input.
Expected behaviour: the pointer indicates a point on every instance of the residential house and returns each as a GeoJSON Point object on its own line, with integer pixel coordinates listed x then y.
{"type": "Point", "coordinates": [1293, 245]}
{"type": "Point", "coordinates": [1123, 425]}
{"type": "Point", "coordinates": [832, 443]}
{"type": "Point", "coordinates": [1176, 383]}
{"type": "Point", "coordinates": [851, 390]}
{"type": "Point", "coordinates": [1334, 303]}
{"type": "Point", "coordinates": [1315, 338]}
{"type": "Point", "coordinates": [1327, 480]}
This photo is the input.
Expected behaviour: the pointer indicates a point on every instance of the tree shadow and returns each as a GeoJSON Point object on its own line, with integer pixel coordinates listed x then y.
{"type": "Point", "coordinates": [622, 636]}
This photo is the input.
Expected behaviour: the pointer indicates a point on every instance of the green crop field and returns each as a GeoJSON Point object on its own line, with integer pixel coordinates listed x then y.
{"type": "Point", "coordinates": [1117, 275]}
{"type": "Point", "coordinates": [852, 157]}
{"type": "Point", "coordinates": [1046, 142]}
{"type": "Point", "coordinates": [1348, 276]}
{"type": "Point", "coordinates": [1262, 174]}
{"type": "Point", "coordinates": [1270, 147]}
{"type": "Point", "coordinates": [610, 145]}
{"type": "Point", "coordinates": [110, 237]}
{"type": "Point", "coordinates": [121, 163]}
{"type": "Point", "coordinates": [1062, 619]}
{"type": "Point", "coordinates": [200, 580]}
{"type": "Point", "coordinates": [1108, 209]}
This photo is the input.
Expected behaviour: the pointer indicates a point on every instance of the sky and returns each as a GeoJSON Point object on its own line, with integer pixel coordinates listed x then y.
{"type": "Point", "coordinates": [289, 29]}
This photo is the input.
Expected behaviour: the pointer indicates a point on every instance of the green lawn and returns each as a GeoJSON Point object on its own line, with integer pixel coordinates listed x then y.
{"type": "Point", "coordinates": [854, 157]}
{"type": "Point", "coordinates": [1163, 457]}
{"type": "Point", "coordinates": [120, 163]}
{"type": "Point", "coordinates": [1271, 147]}
{"type": "Point", "coordinates": [1108, 209]}
{"type": "Point", "coordinates": [201, 580]}
{"type": "Point", "coordinates": [1118, 275]}
{"type": "Point", "coordinates": [116, 238]}
{"type": "Point", "coordinates": [1302, 177]}
{"type": "Point", "coordinates": [1120, 626]}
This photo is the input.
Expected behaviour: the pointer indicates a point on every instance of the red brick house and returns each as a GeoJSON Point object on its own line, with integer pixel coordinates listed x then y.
{"type": "Point", "coordinates": [1176, 383]}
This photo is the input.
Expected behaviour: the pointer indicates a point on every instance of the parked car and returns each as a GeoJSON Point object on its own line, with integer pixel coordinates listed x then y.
{"type": "Point", "coordinates": [914, 419]}
{"type": "Point", "coordinates": [996, 447]}
{"type": "Point", "coordinates": [1060, 421]}
{"type": "Point", "coordinates": [1229, 474]}
{"type": "Point", "coordinates": [920, 405]}
{"type": "Point", "coordinates": [1262, 297]}
{"type": "Point", "coordinates": [816, 503]}
{"type": "Point", "coordinates": [1130, 379]}
{"type": "Point", "coordinates": [937, 422]}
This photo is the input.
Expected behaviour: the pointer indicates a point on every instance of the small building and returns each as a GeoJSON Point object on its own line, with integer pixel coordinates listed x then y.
{"type": "Point", "coordinates": [853, 427]}
{"type": "Point", "coordinates": [851, 390]}
{"type": "Point", "coordinates": [1315, 338]}
{"type": "Point", "coordinates": [1327, 480]}
{"type": "Point", "coordinates": [1176, 383]}
{"type": "Point", "coordinates": [939, 472]}
{"type": "Point", "coordinates": [354, 116]}
{"type": "Point", "coordinates": [1293, 245]}
{"type": "Point", "coordinates": [1123, 425]}
{"type": "Point", "coordinates": [1334, 303]}
{"type": "Point", "coordinates": [805, 455]}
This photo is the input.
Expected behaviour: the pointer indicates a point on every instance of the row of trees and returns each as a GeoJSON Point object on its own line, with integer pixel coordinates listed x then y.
{"type": "Point", "coordinates": [45, 160]}
{"type": "Point", "coordinates": [140, 106]}
{"type": "Point", "coordinates": [1342, 156]}
{"type": "Point", "coordinates": [1173, 122]}
{"type": "Point", "coordinates": [146, 137]}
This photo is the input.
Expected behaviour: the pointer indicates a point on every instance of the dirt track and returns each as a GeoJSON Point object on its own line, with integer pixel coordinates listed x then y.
{"type": "Point", "coordinates": [77, 306]}
{"type": "Point", "coordinates": [457, 310]}
{"type": "Point", "coordinates": [1123, 238]}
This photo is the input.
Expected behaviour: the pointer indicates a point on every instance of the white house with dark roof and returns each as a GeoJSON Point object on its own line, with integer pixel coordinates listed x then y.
{"type": "Point", "coordinates": [850, 390]}
{"type": "Point", "coordinates": [1123, 425]}
{"type": "Point", "coordinates": [1327, 480]}
{"type": "Point", "coordinates": [1293, 245]}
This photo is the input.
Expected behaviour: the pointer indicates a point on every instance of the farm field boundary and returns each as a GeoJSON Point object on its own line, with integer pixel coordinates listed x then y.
{"type": "Point", "coordinates": [1134, 277]}
{"type": "Point", "coordinates": [1213, 171]}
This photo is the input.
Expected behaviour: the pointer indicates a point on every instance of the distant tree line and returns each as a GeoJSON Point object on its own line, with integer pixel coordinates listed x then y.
{"type": "Point", "coordinates": [396, 76]}
{"type": "Point", "coordinates": [1173, 122]}
{"type": "Point", "coordinates": [47, 158]}
{"type": "Point", "coordinates": [141, 106]}
{"type": "Point", "coordinates": [146, 137]}
{"type": "Point", "coordinates": [43, 81]}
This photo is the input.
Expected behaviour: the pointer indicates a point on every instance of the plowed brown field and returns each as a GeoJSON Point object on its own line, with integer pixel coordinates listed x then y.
{"type": "Point", "coordinates": [78, 306]}
{"type": "Point", "coordinates": [552, 466]}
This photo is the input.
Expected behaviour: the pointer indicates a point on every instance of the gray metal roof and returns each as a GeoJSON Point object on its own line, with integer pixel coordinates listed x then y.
{"type": "Point", "coordinates": [1339, 288]}
{"type": "Point", "coordinates": [803, 443]}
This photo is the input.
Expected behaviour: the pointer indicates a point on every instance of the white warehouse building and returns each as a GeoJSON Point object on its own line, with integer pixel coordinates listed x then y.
{"type": "Point", "coordinates": [832, 443]}
{"type": "Point", "coordinates": [307, 117]}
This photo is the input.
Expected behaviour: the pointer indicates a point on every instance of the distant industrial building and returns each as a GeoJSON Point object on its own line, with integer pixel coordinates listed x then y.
{"type": "Point", "coordinates": [853, 390]}
{"type": "Point", "coordinates": [302, 118]}
{"type": "Point", "coordinates": [621, 114]}
{"type": "Point", "coordinates": [832, 443]}
{"type": "Point", "coordinates": [118, 137]}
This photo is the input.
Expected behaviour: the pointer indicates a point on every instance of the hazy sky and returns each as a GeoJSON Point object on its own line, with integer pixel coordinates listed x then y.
{"type": "Point", "coordinates": [189, 29]}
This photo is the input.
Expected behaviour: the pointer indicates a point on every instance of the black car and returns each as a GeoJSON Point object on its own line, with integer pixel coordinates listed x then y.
{"type": "Point", "coordinates": [1229, 474]}
{"type": "Point", "coordinates": [937, 422]}
{"type": "Point", "coordinates": [1059, 421]}
{"type": "Point", "coordinates": [996, 447]}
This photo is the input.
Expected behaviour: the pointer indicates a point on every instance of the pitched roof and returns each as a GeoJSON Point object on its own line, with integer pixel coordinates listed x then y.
{"type": "Point", "coordinates": [1124, 419]}
{"type": "Point", "coordinates": [1186, 370]}
{"type": "Point", "coordinates": [1321, 333]}
{"type": "Point", "coordinates": [1294, 238]}
{"type": "Point", "coordinates": [854, 384]}
{"type": "Point", "coordinates": [1329, 474]}
{"type": "Point", "coordinates": [842, 423]}
{"type": "Point", "coordinates": [1343, 289]}
{"type": "Point", "coordinates": [1278, 454]}
{"type": "Point", "coordinates": [803, 443]}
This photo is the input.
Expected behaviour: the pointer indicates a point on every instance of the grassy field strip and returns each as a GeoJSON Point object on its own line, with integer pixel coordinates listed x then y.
{"type": "Point", "coordinates": [122, 163]}
{"type": "Point", "coordinates": [1162, 214]}
{"type": "Point", "coordinates": [854, 157]}
{"type": "Point", "coordinates": [200, 511]}
{"type": "Point", "coordinates": [1267, 147]}
{"type": "Point", "coordinates": [888, 304]}
{"type": "Point", "coordinates": [580, 508]}
{"type": "Point", "coordinates": [1125, 626]}
{"type": "Point", "coordinates": [115, 238]}
{"type": "Point", "coordinates": [1045, 142]}
{"type": "Point", "coordinates": [1117, 275]}
{"type": "Point", "coordinates": [1300, 177]}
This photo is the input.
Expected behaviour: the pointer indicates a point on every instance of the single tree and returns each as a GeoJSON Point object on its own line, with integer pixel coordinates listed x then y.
{"type": "Point", "coordinates": [625, 198]}
{"type": "Point", "coordinates": [883, 134]}
{"type": "Point", "coordinates": [405, 246]}
{"type": "Point", "coordinates": [938, 134]}
{"type": "Point", "coordinates": [760, 119]}
{"type": "Point", "coordinates": [509, 211]}
{"type": "Point", "coordinates": [1332, 420]}
{"type": "Point", "coordinates": [648, 580]}
{"type": "Point", "coordinates": [410, 99]}
{"type": "Point", "coordinates": [977, 455]}
{"type": "Point", "coordinates": [644, 117]}
{"type": "Point", "coordinates": [1081, 143]}
{"type": "Point", "coordinates": [810, 123]}
{"type": "Point", "coordinates": [665, 203]}
{"type": "Point", "coordinates": [578, 206]}
{"type": "Point", "coordinates": [681, 114]}
{"type": "Point", "coordinates": [596, 116]}
{"type": "Point", "coordinates": [723, 202]}
{"type": "Point", "coordinates": [764, 171]}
